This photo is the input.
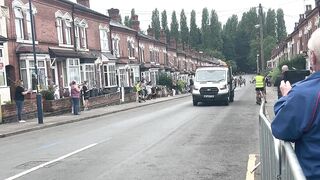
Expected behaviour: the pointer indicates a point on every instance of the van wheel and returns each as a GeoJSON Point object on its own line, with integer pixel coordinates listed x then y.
{"type": "Point", "coordinates": [195, 103]}
{"type": "Point", "coordinates": [226, 102]}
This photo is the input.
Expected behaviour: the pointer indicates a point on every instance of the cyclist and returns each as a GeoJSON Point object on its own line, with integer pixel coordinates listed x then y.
{"type": "Point", "coordinates": [260, 88]}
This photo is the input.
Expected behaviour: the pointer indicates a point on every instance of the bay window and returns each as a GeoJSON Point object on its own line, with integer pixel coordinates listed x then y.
{"type": "Point", "coordinates": [71, 71]}
{"type": "Point", "coordinates": [88, 74]}
{"type": "Point", "coordinates": [28, 74]}
{"type": "Point", "coordinates": [109, 71]}
{"type": "Point", "coordinates": [123, 78]}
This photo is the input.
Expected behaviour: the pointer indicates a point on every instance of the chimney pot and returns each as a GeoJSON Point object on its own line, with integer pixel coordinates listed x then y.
{"type": "Point", "coordinates": [114, 14]}
{"type": "Point", "coordinates": [84, 3]}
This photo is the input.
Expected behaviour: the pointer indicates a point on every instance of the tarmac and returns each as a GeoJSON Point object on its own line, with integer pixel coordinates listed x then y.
{"type": "Point", "coordinates": [10, 129]}
{"type": "Point", "coordinates": [15, 128]}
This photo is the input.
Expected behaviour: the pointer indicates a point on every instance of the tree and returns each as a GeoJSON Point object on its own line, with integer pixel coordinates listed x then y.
{"type": "Point", "coordinates": [229, 37]}
{"type": "Point", "coordinates": [269, 43]}
{"type": "Point", "coordinates": [194, 39]}
{"type": "Point", "coordinates": [246, 32]}
{"type": "Point", "coordinates": [205, 28]}
{"type": "Point", "coordinates": [127, 21]}
{"type": "Point", "coordinates": [281, 26]}
{"type": "Point", "coordinates": [164, 24]}
{"type": "Point", "coordinates": [215, 32]}
{"type": "Point", "coordinates": [155, 24]}
{"type": "Point", "coordinates": [174, 27]}
{"type": "Point", "coordinates": [184, 29]}
{"type": "Point", "coordinates": [270, 24]}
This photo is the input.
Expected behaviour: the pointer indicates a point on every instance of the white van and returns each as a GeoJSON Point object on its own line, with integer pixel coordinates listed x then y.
{"type": "Point", "coordinates": [213, 84]}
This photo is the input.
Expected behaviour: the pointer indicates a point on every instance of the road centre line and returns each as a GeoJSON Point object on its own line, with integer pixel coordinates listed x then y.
{"type": "Point", "coordinates": [50, 162]}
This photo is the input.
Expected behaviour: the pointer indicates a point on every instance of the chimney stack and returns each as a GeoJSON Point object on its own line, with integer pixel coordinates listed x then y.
{"type": "Point", "coordinates": [301, 18]}
{"type": "Point", "coordinates": [173, 43]}
{"type": "Point", "coordinates": [308, 9]}
{"type": "Point", "coordinates": [114, 14]}
{"type": "Point", "coordinates": [150, 32]}
{"type": "Point", "coordinates": [163, 37]}
{"type": "Point", "coordinates": [84, 3]}
{"type": "Point", "coordinates": [135, 22]}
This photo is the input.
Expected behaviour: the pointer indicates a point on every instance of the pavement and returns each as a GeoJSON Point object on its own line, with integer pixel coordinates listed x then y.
{"type": "Point", "coordinates": [15, 128]}
{"type": "Point", "coordinates": [272, 97]}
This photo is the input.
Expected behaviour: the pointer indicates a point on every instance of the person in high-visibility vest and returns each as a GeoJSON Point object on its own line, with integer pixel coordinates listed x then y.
{"type": "Point", "coordinates": [260, 88]}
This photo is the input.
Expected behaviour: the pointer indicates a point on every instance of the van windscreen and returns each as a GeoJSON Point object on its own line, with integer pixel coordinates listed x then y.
{"type": "Point", "coordinates": [210, 75]}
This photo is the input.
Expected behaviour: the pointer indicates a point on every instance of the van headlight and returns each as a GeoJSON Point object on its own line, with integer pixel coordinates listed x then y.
{"type": "Point", "coordinates": [196, 88]}
{"type": "Point", "coordinates": [224, 87]}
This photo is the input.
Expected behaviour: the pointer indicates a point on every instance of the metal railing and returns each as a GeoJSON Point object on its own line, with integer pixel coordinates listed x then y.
{"type": "Point", "coordinates": [278, 159]}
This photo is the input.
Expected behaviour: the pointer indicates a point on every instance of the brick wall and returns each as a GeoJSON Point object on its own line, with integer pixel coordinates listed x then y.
{"type": "Point", "coordinates": [101, 101]}
{"type": "Point", "coordinates": [9, 113]}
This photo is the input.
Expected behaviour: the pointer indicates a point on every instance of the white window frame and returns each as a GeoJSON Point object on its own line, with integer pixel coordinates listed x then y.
{"type": "Point", "coordinates": [83, 33]}
{"type": "Point", "coordinates": [19, 23]}
{"type": "Point", "coordinates": [67, 31]}
{"type": "Point", "coordinates": [29, 28]}
{"type": "Point", "coordinates": [29, 69]}
{"type": "Point", "coordinates": [59, 30]}
{"type": "Point", "coordinates": [123, 77]}
{"type": "Point", "coordinates": [104, 38]}
{"type": "Point", "coordinates": [116, 47]}
{"type": "Point", "coordinates": [3, 72]}
{"type": "Point", "coordinates": [71, 63]}
{"type": "Point", "coordinates": [109, 71]}
{"type": "Point", "coordinates": [87, 71]}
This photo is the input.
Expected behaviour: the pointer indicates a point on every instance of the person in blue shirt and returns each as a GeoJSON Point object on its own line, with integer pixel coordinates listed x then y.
{"type": "Point", "coordinates": [298, 114]}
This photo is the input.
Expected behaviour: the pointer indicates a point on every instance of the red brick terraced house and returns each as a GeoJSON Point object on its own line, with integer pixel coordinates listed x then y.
{"type": "Point", "coordinates": [297, 42]}
{"type": "Point", "coordinates": [72, 43]}
{"type": "Point", "coordinates": [125, 48]}
{"type": "Point", "coordinates": [4, 59]}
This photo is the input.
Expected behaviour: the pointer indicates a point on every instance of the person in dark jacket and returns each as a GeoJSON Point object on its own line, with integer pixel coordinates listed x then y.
{"type": "Point", "coordinates": [85, 95]}
{"type": "Point", "coordinates": [297, 115]}
{"type": "Point", "coordinates": [278, 80]}
{"type": "Point", "coordinates": [19, 98]}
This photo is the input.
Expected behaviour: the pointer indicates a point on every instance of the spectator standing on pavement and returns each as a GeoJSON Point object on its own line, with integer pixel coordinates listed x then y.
{"type": "Point", "coordinates": [19, 98]}
{"type": "Point", "coordinates": [277, 82]}
{"type": "Point", "coordinates": [86, 95]}
{"type": "Point", "coordinates": [298, 117]}
{"type": "Point", "coordinates": [75, 95]}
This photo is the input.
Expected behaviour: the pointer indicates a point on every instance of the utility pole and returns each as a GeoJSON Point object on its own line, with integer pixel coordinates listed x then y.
{"type": "Point", "coordinates": [261, 39]}
{"type": "Point", "coordinates": [39, 98]}
{"type": "Point", "coordinates": [318, 6]}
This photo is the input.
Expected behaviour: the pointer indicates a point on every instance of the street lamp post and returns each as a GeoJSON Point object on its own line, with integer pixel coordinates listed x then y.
{"type": "Point", "coordinates": [39, 98]}
{"type": "Point", "coordinates": [258, 70]}
{"type": "Point", "coordinates": [261, 39]}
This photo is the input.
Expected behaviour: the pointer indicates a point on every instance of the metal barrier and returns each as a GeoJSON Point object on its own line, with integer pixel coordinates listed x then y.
{"type": "Point", "coordinates": [278, 159]}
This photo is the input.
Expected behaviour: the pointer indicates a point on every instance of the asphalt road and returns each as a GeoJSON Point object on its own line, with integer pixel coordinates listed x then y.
{"type": "Point", "coordinates": [170, 140]}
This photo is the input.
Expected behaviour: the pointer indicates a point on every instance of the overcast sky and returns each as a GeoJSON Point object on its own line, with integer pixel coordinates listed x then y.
{"type": "Point", "coordinates": [224, 8]}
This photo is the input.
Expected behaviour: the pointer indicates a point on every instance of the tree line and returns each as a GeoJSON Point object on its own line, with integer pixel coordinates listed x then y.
{"type": "Point", "coordinates": [237, 41]}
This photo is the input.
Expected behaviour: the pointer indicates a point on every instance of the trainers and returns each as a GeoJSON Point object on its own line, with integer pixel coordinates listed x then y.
{"type": "Point", "coordinates": [22, 121]}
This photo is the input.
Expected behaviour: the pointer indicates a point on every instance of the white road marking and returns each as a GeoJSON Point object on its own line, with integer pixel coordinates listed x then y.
{"type": "Point", "coordinates": [250, 166]}
{"type": "Point", "coordinates": [50, 162]}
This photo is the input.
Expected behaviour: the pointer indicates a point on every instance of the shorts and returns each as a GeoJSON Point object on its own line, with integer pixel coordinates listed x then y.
{"type": "Point", "coordinates": [260, 89]}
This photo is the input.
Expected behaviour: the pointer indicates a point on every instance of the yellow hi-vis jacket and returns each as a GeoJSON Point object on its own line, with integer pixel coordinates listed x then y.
{"type": "Point", "coordinates": [259, 81]}
{"type": "Point", "coordinates": [138, 87]}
